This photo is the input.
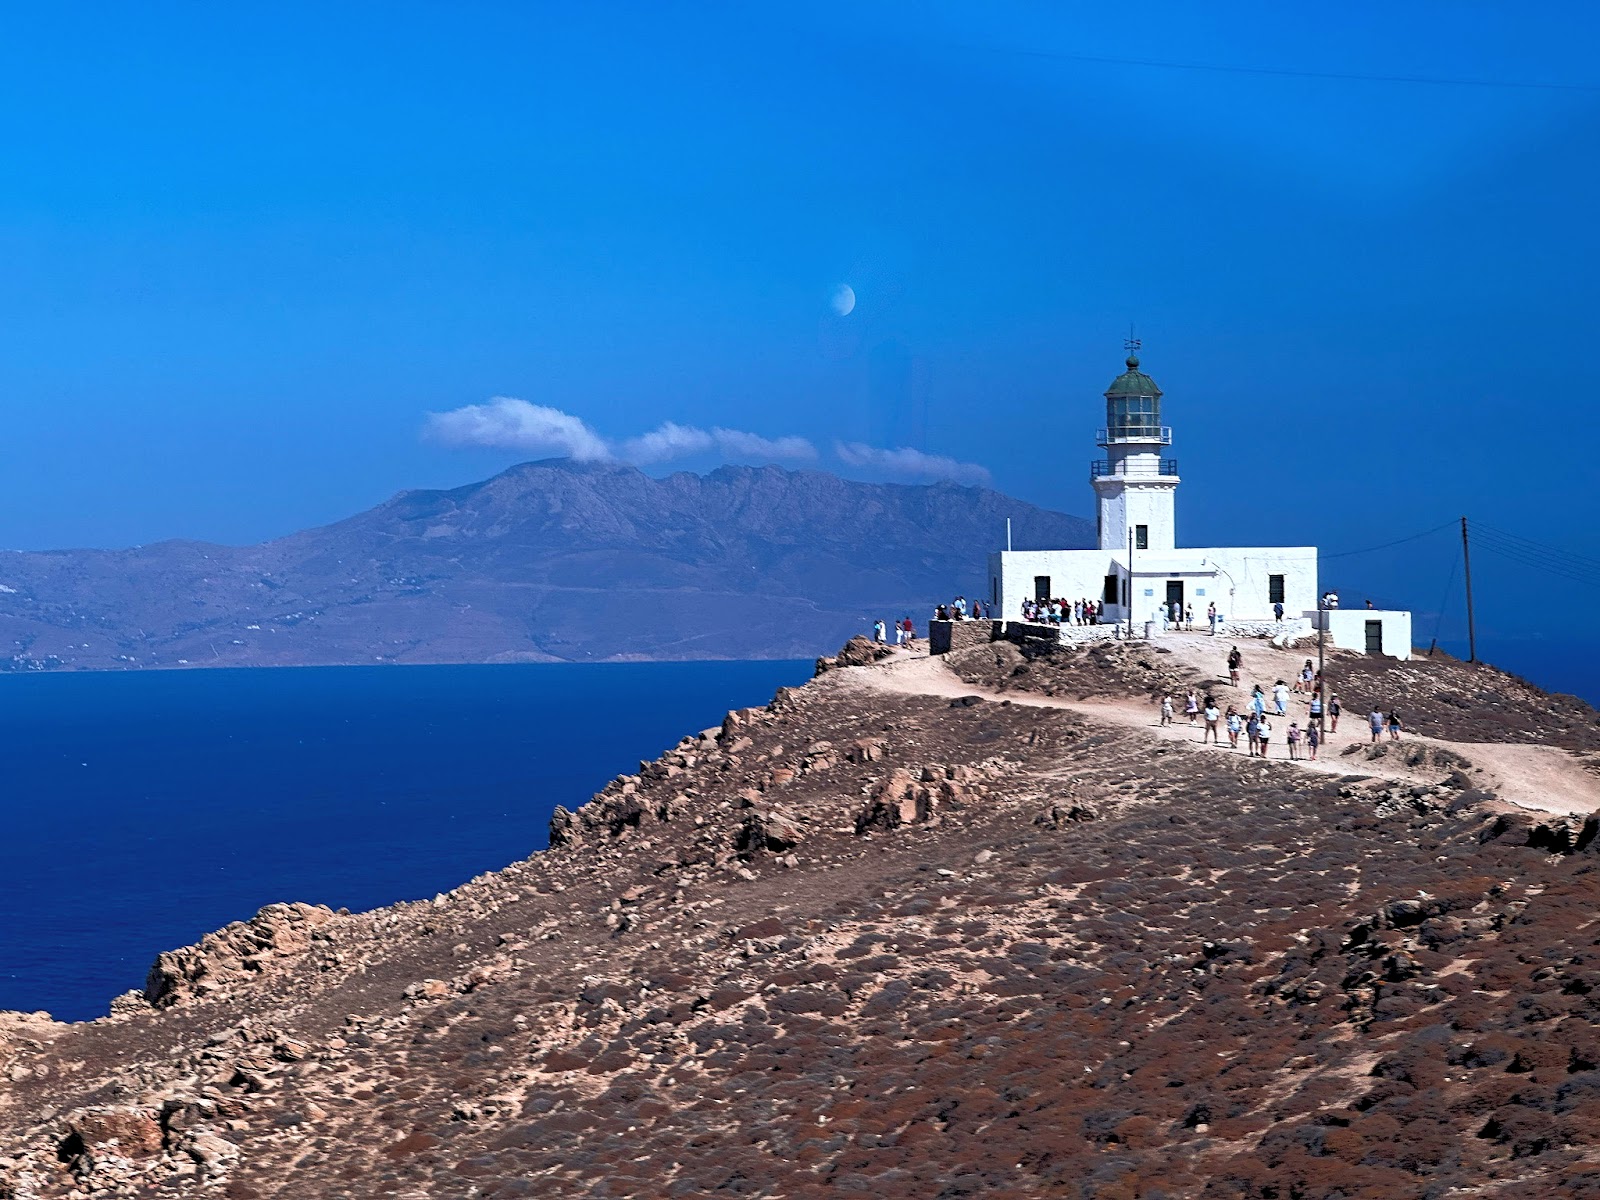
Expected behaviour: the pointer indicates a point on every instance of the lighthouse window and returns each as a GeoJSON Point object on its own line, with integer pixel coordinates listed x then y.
{"type": "Point", "coordinates": [1141, 537]}
{"type": "Point", "coordinates": [1274, 589]}
{"type": "Point", "coordinates": [1133, 416]}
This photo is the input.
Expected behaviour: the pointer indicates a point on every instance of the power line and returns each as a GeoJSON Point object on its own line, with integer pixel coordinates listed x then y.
{"type": "Point", "coordinates": [1448, 588]}
{"type": "Point", "coordinates": [1346, 77]}
{"type": "Point", "coordinates": [1543, 546]}
{"type": "Point", "coordinates": [1524, 548]}
{"type": "Point", "coordinates": [1396, 542]}
{"type": "Point", "coordinates": [1541, 560]}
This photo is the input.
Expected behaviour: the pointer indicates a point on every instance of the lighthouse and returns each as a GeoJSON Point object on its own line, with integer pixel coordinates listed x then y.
{"type": "Point", "coordinates": [1135, 482]}
{"type": "Point", "coordinates": [1139, 574]}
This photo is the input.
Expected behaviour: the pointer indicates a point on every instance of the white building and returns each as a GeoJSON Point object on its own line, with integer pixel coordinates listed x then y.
{"type": "Point", "coordinates": [1139, 564]}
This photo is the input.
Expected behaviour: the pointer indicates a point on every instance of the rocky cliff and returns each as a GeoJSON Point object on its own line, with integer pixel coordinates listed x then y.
{"type": "Point", "coordinates": [905, 941]}
{"type": "Point", "coordinates": [550, 561]}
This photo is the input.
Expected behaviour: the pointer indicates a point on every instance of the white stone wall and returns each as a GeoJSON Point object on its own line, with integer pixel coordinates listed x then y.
{"type": "Point", "coordinates": [1126, 502]}
{"type": "Point", "coordinates": [1347, 629]}
{"type": "Point", "coordinates": [1244, 577]}
{"type": "Point", "coordinates": [1074, 574]}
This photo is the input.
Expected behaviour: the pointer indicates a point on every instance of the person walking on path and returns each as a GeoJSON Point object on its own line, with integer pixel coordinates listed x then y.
{"type": "Point", "coordinates": [1188, 617]}
{"type": "Point", "coordinates": [1263, 735]}
{"type": "Point", "coordinates": [1235, 661]}
{"type": "Point", "coordinates": [1211, 617]}
{"type": "Point", "coordinates": [1293, 738]}
{"type": "Point", "coordinates": [1258, 701]}
{"type": "Point", "coordinates": [1333, 713]}
{"type": "Point", "coordinates": [1375, 722]}
{"type": "Point", "coordinates": [1394, 725]}
{"type": "Point", "coordinates": [911, 631]}
{"type": "Point", "coordinates": [1166, 709]}
{"type": "Point", "coordinates": [1277, 611]}
{"type": "Point", "coordinates": [1212, 718]}
{"type": "Point", "coordinates": [878, 632]}
{"type": "Point", "coordinates": [1235, 726]}
{"type": "Point", "coordinates": [1252, 731]}
{"type": "Point", "coordinates": [1280, 698]}
{"type": "Point", "coordinates": [1191, 706]}
{"type": "Point", "coordinates": [1315, 716]}
{"type": "Point", "coordinates": [1313, 740]}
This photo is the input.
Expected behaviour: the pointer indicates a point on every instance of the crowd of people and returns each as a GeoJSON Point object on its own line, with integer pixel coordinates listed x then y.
{"type": "Point", "coordinates": [1254, 718]}
{"type": "Point", "coordinates": [962, 609]}
{"type": "Point", "coordinates": [1063, 612]}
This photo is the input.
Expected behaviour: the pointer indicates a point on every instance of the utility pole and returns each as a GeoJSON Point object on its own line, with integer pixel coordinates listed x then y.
{"type": "Point", "coordinates": [1130, 583]}
{"type": "Point", "coordinates": [1466, 567]}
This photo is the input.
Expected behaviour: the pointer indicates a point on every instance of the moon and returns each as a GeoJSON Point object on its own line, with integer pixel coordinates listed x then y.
{"type": "Point", "coordinates": [844, 299]}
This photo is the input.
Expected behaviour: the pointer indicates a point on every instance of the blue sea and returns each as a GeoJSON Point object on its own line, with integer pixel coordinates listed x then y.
{"type": "Point", "coordinates": [140, 810]}
{"type": "Point", "coordinates": [1565, 664]}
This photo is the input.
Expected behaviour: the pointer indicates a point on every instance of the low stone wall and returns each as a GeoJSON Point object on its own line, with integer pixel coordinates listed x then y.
{"type": "Point", "coordinates": [1066, 635]}
{"type": "Point", "coordinates": [945, 636]}
{"type": "Point", "coordinates": [1290, 627]}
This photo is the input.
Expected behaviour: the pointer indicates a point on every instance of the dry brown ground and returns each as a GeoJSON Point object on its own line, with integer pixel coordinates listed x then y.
{"type": "Point", "coordinates": [881, 938]}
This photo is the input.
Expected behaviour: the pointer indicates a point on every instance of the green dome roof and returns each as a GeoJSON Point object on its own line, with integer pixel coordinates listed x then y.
{"type": "Point", "coordinates": [1133, 382]}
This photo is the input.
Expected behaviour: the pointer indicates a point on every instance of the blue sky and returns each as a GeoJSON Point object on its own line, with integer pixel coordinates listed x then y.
{"type": "Point", "coordinates": [248, 250]}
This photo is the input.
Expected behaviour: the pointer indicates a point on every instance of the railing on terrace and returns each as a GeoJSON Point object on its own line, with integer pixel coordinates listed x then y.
{"type": "Point", "coordinates": [1099, 467]}
{"type": "Point", "coordinates": [1131, 433]}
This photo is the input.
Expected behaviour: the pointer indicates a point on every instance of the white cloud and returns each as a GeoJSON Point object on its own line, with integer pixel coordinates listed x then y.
{"type": "Point", "coordinates": [737, 444]}
{"type": "Point", "coordinates": [910, 464]}
{"type": "Point", "coordinates": [667, 441]}
{"type": "Point", "coordinates": [509, 424]}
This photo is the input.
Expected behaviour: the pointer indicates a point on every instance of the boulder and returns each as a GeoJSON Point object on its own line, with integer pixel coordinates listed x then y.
{"type": "Point", "coordinates": [900, 799]}
{"type": "Point", "coordinates": [564, 828]}
{"type": "Point", "coordinates": [769, 829]}
{"type": "Point", "coordinates": [235, 953]}
{"type": "Point", "coordinates": [113, 1129]}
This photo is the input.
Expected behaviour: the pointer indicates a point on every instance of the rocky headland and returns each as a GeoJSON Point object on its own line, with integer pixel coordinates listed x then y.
{"type": "Point", "coordinates": [923, 927]}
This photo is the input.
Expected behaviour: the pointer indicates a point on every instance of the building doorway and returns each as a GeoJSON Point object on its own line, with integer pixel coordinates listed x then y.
{"type": "Point", "coordinates": [1174, 595]}
{"type": "Point", "coordinates": [1374, 637]}
{"type": "Point", "coordinates": [1041, 588]}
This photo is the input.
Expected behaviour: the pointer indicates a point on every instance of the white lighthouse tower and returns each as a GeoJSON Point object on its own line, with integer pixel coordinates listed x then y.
{"type": "Point", "coordinates": [1134, 483]}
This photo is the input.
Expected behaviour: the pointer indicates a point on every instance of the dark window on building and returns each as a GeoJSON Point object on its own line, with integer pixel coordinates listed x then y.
{"type": "Point", "coordinates": [1041, 588]}
{"type": "Point", "coordinates": [994, 590]}
{"type": "Point", "coordinates": [1109, 595]}
{"type": "Point", "coordinates": [1141, 537]}
{"type": "Point", "coordinates": [1274, 589]}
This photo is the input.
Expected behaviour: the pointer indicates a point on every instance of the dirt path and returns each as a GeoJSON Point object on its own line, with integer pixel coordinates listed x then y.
{"type": "Point", "coordinates": [1540, 778]}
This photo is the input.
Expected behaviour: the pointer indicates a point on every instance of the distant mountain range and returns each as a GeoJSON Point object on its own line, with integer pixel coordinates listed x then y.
{"type": "Point", "coordinates": [548, 561]}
